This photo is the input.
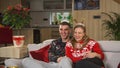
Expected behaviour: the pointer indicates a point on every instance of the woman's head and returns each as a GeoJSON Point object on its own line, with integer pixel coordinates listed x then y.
{"type": "Point", "coordinates": [79, 32]}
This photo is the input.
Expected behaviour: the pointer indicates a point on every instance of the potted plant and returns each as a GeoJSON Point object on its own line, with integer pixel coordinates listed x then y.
{"type": "Point", "coordinates": [112, 25]}
{"type": "Point", "coordinates": [16, 17]}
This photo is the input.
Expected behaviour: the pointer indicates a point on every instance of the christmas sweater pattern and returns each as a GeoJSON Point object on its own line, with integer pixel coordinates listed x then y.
{"type": "Point", "coordinates": [76, 54]}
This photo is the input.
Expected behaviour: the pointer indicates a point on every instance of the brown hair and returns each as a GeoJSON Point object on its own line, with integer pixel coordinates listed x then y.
{"type": "Point", "coordinates": [85, 38]}
{"type": "Point", "coordinates": [65, 23]}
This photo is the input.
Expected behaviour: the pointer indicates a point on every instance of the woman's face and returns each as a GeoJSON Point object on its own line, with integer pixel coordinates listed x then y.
{"type": "Point", "coordinates": [78, 34]}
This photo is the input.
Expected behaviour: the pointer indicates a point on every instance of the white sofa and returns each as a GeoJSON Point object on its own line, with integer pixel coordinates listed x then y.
{"type": "Point", "coordinates": [111, 50]}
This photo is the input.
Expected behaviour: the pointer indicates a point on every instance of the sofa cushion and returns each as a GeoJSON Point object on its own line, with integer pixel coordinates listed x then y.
{"type": "Point", "coordinates": [111, 59]}
{"type": "Point", "coordinates": [41, 54]}
{"type": "Point", "coordinates": [110, 46]}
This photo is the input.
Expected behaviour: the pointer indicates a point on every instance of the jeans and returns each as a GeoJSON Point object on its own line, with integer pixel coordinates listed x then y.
{"type": "Point", "coordinates": [32, 63]}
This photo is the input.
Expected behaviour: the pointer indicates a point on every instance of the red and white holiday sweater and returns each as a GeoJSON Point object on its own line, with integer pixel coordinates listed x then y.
{"type": "Point", "coordinates": [76, 54]}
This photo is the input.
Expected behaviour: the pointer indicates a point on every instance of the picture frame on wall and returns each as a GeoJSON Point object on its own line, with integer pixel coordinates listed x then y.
{"type": "Point", "coordinates": [86, 4]}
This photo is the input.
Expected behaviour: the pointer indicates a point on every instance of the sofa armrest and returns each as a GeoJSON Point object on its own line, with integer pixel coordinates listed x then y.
{"type": "Point", "coordinates": [48, 41]}
{"type": "Point", "coordinates": [32, 47]}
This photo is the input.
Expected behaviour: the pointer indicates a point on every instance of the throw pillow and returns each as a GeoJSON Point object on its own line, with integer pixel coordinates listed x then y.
{"type": "Point", "coordinates": [41, 54]}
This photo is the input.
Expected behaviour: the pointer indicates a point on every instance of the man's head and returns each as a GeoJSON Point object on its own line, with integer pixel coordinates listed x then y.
{"type": "Point", "coordinates": [64, 30]}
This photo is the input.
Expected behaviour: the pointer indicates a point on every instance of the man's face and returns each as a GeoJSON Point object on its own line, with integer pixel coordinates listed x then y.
{"type": "Point", "coordinates": [64, 31]}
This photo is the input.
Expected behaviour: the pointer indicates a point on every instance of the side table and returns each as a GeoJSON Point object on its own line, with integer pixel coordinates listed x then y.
{"type": "Point", "coordinates": [13, 52]}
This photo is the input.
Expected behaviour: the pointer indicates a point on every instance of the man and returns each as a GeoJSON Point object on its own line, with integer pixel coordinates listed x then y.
{"type": "Point", "coordinates": [56, 52]}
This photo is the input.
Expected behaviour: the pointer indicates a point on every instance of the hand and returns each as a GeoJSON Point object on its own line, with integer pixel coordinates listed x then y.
{"type": "Point", "coordinates": [92, 55]}
{"type": "Point", "coordinates": [59, 59]}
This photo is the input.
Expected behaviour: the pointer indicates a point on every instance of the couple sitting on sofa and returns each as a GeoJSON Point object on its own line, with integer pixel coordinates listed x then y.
{"type": "Point", "coordinates": [66, 52]}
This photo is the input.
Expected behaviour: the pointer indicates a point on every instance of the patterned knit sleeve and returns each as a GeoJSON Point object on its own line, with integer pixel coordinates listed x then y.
{"type": "Point", "coordinates": [51, 53]}
{"type": "Point", "coordinates": [68, 50]}
{"type": "Point", "coordinates": [97, 49]}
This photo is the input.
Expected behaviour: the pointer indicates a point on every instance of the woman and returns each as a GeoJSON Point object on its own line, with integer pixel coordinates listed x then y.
{"type": "Point", "coordinates": [83, 51]}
